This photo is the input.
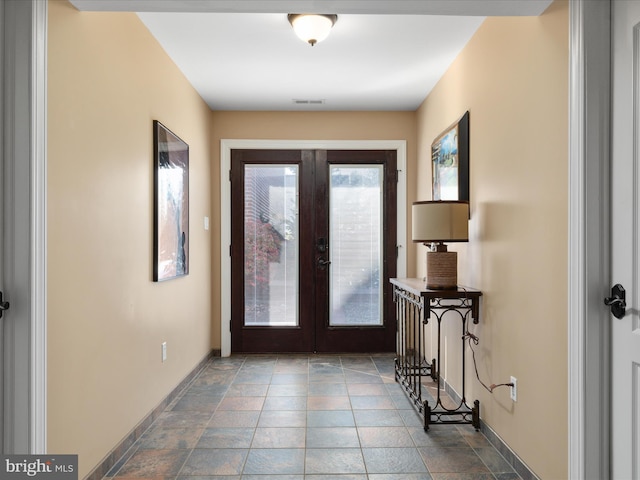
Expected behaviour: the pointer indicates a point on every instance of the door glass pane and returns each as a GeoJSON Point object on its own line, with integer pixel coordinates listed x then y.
{"type": "Point", "coordinates": [271, 245]}
{"type": "Point", "coordinates": [355, 247]}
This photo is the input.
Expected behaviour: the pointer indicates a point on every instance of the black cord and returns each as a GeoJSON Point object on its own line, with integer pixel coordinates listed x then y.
{"type": "Point", "coordinates": [473, 340]}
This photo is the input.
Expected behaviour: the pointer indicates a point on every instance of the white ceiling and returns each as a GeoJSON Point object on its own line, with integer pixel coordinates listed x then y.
{"type": "Point", "coordinates": [380, 55]}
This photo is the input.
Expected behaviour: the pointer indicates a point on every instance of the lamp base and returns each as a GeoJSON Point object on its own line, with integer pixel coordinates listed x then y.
{"type": "Point", "coordinates": [442, 270]}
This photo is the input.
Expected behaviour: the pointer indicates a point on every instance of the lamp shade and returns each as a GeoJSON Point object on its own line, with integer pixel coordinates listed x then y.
{"type": "Point", "coordinates": [440, 221]}
{"type": "Point", "coordinates": [312, 28]}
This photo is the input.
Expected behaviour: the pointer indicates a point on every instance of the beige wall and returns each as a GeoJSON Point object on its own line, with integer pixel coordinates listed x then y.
{"type": "Point", "coordinates": [108, 80]}
{"type": "Point", "coordinates": [513, 78]}
{"type": "Point", "coordinates": [305, 126]}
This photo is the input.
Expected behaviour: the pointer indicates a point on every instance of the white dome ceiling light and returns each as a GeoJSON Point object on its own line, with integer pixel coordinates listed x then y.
{"type": "Point", "coordinates": [312, 28]}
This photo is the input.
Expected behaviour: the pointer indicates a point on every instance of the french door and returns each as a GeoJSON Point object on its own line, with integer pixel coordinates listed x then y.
{"type": "Point", "coordinates": [313, 247]}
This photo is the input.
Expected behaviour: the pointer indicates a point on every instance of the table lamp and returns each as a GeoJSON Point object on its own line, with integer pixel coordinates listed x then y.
{"type": "Point", "coordinates": [438, 222]}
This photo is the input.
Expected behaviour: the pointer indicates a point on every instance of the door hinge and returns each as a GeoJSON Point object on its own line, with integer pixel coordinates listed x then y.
{"type": "Point", "coordinates": [230, 324]}
{"type": "Point", "coordinates": [230, 250]}
{"type": "Point", "coordinates": [229, 174]}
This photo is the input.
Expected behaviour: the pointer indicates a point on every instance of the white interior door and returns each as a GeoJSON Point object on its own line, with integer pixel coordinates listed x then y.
{"type": "Point", "coordinates": [625, 241]}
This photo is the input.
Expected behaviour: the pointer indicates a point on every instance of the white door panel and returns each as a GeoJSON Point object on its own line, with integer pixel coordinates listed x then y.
{"type": "Point", "coordinates": [625, 218]}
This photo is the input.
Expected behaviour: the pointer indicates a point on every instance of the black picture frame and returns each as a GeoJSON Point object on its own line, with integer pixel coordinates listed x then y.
{"type": "Point", "coordinates": [171, 205]}
{"type": "Point", "coordinates": [450, 162]}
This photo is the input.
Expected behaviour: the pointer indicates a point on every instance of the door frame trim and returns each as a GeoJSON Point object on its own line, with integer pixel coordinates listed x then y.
{"type": "Point", "coordinates": [226, 145]}
{"type": "Point", "coordinates": [589, 345]}
{"type": "Point", "coordinates": [24, 120]}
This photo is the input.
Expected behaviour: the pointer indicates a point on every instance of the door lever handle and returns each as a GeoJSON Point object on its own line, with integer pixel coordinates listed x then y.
{"type": "Point", "coordinates": [3, 305]}
{"type": "Point", "coordinates": [322, 263]}
{"type": "Point", "coordinates": [610, 301]}
{"type": "Point", "coordinates": [617, 301]}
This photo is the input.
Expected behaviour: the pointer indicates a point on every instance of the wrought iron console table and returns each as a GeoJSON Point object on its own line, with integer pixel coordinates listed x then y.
{"type": "Point", "coordinates": [415, 305]}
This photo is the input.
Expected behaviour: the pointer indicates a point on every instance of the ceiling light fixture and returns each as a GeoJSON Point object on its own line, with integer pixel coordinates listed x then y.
{"type": "Point", "coordinates": [312, 28]}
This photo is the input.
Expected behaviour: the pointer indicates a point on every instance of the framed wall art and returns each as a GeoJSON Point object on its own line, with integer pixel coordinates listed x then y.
{"type": "Point", "coordinates": [450, 162]}
{"type": "Point", "coordinates": [171, 205]}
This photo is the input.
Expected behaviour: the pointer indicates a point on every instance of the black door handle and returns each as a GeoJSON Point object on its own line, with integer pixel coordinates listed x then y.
{"type": "Point", "coordinates": [3, 305]}
{"type": "Point", "coordinates": [617, 301]}
{"type": "Point", "coordinates": [322, 263]}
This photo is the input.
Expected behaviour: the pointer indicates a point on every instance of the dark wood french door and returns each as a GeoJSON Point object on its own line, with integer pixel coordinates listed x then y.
{"type": "Point", "coordinates": [313, 247]}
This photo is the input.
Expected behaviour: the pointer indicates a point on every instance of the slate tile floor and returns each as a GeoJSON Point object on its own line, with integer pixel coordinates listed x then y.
{"type": "Point", "coordinates": [294, 417]}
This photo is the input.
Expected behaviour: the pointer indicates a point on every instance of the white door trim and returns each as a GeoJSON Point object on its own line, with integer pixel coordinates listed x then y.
{"type": "Point", "coordinates": [226, 145]}
{"type": "Point", "coordinates": [589, 233]}
{"type": "Point", "coordinates": [24, 120]}
{"type": "Point", "coordinates": [38, 241]}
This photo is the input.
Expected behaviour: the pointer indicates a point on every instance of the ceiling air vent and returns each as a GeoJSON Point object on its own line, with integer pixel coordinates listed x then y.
{"type": "Point", "coordinates": [308, 102]}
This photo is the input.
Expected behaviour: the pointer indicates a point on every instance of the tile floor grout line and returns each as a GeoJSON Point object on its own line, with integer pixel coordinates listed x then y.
{"type": "Point", "coordinates": [136, 444]}
{"type": "Point", "coordinates": [215, 409]}
{"type": "Point", "coordinates": [406, 422]}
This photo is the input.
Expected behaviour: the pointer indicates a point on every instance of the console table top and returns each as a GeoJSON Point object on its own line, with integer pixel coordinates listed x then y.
{"type": "Point", "coordinates": [418, 287]}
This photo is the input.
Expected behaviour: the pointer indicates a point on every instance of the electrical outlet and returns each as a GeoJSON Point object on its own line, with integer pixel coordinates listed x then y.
{"type": "Point", "coordinates": [164, 351]}
{"type": "Point", "coordinates": [514, 389]}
